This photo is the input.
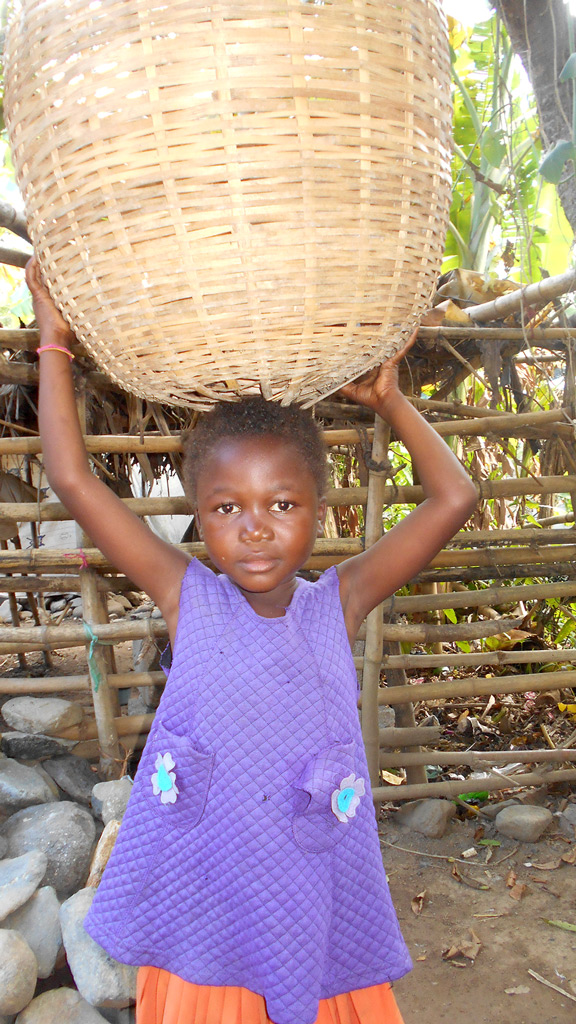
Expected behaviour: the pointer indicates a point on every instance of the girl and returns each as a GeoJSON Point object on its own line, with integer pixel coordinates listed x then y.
{"type": "Point", "coordinates": [247, 880]}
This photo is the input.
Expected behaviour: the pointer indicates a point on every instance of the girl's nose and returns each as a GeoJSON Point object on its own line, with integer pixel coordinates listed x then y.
{"type": "Point", "coordinates": [254, 527]}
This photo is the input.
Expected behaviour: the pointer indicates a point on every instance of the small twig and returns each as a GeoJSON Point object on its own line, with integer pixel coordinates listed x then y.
{"type": "Point", "coordinates": [506, 856]}
{"type": "Point", "coordinates": [550, 984]}
{"type": "Point", "coordinates": [547, 736]}
{"type": "Point", "coordinates": [436, 856]}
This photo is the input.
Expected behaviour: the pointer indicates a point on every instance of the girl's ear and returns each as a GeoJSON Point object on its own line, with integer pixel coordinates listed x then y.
{"type": "Point", "coordinates": [198, 524]}
{"type": "Point", "coordinates": [322, 505]}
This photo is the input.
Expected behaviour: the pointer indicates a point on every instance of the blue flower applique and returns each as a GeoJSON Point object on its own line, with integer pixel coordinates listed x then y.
{"type": "Point", "coordinates": [164, 779]}
{"type": "Point", "coordinates": [346, 798]}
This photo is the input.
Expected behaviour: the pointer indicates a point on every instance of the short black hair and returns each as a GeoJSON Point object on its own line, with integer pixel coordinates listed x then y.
{"type": "Point", "coordinates": [254, 417]}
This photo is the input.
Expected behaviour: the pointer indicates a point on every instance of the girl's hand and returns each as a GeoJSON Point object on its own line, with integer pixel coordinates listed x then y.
{"type": "Point", "coordinates": [375, 388]}
{"type": "Point", "coordinates": [51, 323]}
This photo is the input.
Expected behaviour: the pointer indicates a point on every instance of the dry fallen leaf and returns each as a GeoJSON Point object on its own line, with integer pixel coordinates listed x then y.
{"type": "Point", "coordinates": [550, 865]}
{"type": "Point", "coordinates": [518, 891]}
{"type": "Point", "coordinates": [520, 990]}
{"type": "Point", "coordinates": [417, 902]}
{"type": "Point", "coordinates": [463, 948]}
{"type": "Point", "coordinates": [465, 878]}
{"type": "Point", "coordinates": [511, 878]}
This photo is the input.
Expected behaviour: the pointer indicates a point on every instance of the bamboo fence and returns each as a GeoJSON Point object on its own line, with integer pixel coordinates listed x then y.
{"type": "Point", "coordinates": [499, 557]}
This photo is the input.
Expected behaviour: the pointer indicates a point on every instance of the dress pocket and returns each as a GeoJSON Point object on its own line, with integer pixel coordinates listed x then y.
{"type": "Point", "coordinates": [174, 780]}
{"type": "Point", "coordinates": [167, 802]}
{"type": "Point", "coordinates": [327, 795]}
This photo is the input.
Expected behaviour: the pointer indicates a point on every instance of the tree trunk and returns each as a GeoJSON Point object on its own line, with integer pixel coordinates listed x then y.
{"type": "Point", "coordinates": [539, 33]}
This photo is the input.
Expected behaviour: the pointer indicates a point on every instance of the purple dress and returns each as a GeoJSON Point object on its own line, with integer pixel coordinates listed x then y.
{"type": "Point", "coordinates": [248, 854]}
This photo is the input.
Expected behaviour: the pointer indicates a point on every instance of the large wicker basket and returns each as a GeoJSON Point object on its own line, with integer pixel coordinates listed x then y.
{"type": "Point", "coordinates": [236, 195]}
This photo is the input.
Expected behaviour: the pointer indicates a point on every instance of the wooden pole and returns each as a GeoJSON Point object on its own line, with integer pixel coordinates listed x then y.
{"type": "Point", "coordinates": [374, 621]}
{"type": "Point", "coordinates": [475, 759]}
{"type": "Point", "coordinates": [404, 713]}
{"type": "Point", "coordinates": [478, 686]}
{"type": "Point", "coordinates": [454, 788]}
{"type": "Point", "coordinates": [104, 699]}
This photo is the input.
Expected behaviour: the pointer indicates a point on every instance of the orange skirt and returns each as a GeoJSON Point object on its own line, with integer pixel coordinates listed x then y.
{"type": "Point", "coordinates": [164, 998]}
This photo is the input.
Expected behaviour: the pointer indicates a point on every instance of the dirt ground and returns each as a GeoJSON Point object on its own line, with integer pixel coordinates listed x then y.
{"type": "Point", "coordinates": [513, 932]}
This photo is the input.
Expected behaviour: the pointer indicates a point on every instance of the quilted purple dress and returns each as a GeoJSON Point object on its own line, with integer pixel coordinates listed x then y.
{"type": "Point", "coordinates": [249, 854]}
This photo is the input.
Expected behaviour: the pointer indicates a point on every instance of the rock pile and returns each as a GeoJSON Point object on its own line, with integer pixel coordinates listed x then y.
{"type": "Point", "coordinates": [58, 822]}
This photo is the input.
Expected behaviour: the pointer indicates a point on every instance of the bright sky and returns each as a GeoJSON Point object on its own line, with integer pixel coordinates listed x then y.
{"type": "Point", "coordinates": [470, 12]}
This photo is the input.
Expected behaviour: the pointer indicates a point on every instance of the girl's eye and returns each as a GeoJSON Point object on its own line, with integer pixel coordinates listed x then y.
{"type": "Point", "coordinates": [282, 506]}
{"type": "Point", "coordinates": [228, 508]}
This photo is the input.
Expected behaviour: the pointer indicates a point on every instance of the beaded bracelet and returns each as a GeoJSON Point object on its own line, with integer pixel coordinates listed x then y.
{"type": "Point", "coordinates": [55, 348]}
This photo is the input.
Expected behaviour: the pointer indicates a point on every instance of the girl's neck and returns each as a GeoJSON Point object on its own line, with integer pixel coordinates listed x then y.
{"type": "Point", "coordinates": [272, 604]}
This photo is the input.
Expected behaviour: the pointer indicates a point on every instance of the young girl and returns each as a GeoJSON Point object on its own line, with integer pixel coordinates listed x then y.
{"type": "Point", "coordinates": [247, 880]}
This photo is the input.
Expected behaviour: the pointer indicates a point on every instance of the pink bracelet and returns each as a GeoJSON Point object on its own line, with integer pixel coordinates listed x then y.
{"type": "Point", "coordinates": [55, 348]}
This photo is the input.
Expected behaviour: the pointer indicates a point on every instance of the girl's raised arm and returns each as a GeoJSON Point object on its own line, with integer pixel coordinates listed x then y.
{"type": "Point", "coordinates": [152, 564]}
{"type": "Point", "coordinates": [450, 498]}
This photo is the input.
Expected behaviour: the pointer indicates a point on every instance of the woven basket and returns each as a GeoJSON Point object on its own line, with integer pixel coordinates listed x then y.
{"type": "Point", "coordinates": [233, 196]}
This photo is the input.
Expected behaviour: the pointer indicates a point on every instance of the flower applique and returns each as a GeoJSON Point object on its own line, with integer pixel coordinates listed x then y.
{"type": "Point", "coordinates": [346, 798]}
{"type": "Point", "coordinates": [164, 779]}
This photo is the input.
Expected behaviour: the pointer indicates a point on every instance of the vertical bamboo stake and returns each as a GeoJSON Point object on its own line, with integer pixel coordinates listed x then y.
{"type": "Point", "coordinates": [13, 605]}
{"type": "Point", "coordinates": [105, 700]}
{"type": "Point", "coordinates": [374, 621]}
{"type": "Point", "coordinates": [415, 774]}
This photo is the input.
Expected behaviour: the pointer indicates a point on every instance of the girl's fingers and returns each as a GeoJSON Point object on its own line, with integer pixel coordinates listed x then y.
{"type": "Point", "coordinates": [399, 356]}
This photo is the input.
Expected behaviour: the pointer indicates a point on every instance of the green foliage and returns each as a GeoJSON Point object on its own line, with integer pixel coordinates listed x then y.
{"type": "Point", "coordinates": [501, 211]}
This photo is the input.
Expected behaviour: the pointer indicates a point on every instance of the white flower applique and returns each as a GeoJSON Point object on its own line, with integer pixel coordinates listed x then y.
{"type": "Point", "coordinates": [164, 779]}
{"type": "Point", "coordinates": [346, 798]}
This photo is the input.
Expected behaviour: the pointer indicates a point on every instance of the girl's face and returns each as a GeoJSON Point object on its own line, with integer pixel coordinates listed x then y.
{"type": "Point", "coordinates": [259, 514]}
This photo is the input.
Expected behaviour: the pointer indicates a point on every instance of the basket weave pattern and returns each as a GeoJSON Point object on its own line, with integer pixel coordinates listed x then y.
{"type": "Point", "coordinates": [233, 196]}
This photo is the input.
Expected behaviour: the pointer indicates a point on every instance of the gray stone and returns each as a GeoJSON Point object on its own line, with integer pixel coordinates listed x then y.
{"type": "Point", "coordinates": [46, 715]}
{"type": "Point", "coordinates": [428, 817]}
{"type": "Point", "coordinates": [38, 922]}
{"type": "Point", "coordinates": [569, 813]}
{"type": "Point", "coordinates": [3, 847]}
{"type": "Point", "coordinates": [5, 612]}
{"type": "Point", "coordinates": [21, 786]}
{"type": "Point", "coordinates": [60, 1006]}
{"type": "Point", "coordinates": [65, 832]}
{"type": "Point", "coordinates": [48, 780]}
{"type": "Point", "coordinates": [386, 717]}
{"type": "Point", "coordinates": [491, 810]}
{"type": "Point", "coordinates": [109, 799]}
{"type": "Point", "coordinates": [27, 747]}
{"type": "Point", "coordinates": [100, 979]}
{"type": "Point", "coordinates": [17, 972]}
{"type": "Point", "coordinates": [526, 824]}
{"type": "Point", "coordinates": [73, 775]}
{"type": "Point", "coordinates": [19, 879]}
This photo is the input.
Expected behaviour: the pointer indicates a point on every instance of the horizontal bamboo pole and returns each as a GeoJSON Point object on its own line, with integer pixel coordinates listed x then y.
{"type": "Point", "coordinates": [131, 629]}
{"type": "Point", "coordinates": [515, 535]}
{"type": "Point", "coordinates": [508, 487]}
{"type": "Point", "coordinates": [407, 737]}
{"type": "Point", "coordinates": [26, 340]}
{"type": "Point", "coordinates": [154, 443]}
{"type": "Point", "coordinates": [476, 574]}
{"type": "Point", "coordinates": [532, 335]}
{"type": "Point", "coordinates": [492, 596]}
{"type": "Point", "coordinates": [421, 662]}
{"type": "Point", "coordinates": [537, 294]}
{"type": "Point", "coordinates": [381, 794]}
{"type": "Point", "coordinates": [125, 725]}
{"type": "Point", "coordinates": [475, 759]}
{"type": "Point", "coordinates": [478, 686]}
{"type": "Point", "coordinates": [22, 685]}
